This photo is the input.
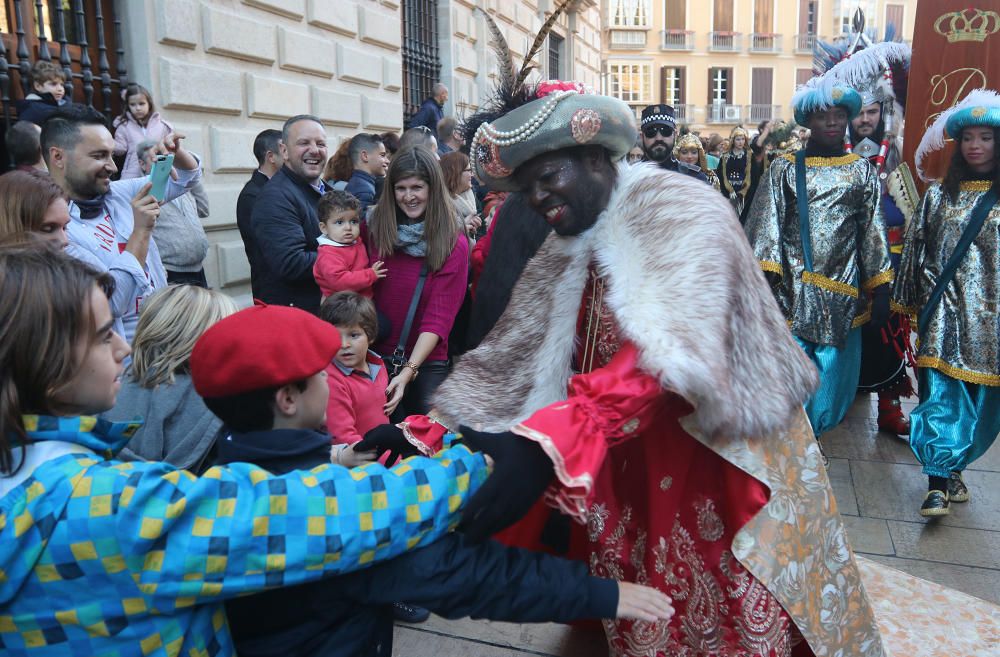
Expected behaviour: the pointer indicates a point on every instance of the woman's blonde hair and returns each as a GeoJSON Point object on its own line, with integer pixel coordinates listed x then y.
{"type": "Point", "coordinates": [170, 322]}
{"type": "Point", "coordinates": [440, 225]}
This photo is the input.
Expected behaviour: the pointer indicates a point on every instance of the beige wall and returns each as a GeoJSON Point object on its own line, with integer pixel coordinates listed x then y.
{"type": "Point", "coordinates": [223, 70]}
{"type": "Point", "coordinates": [469, 65]}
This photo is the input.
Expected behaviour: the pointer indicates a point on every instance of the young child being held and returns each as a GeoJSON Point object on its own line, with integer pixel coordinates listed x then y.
{"type": "Point", "coordinates": [48, 90]}
{"type": "Point", "coordinates": [357, 377]}
{"type": "Point", "coordinates": [341, 261]}
{"type": "Point", "coordinates": [138, 122]}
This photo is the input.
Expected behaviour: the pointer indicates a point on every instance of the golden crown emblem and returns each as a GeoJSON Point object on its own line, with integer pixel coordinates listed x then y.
{"type": "Point", "coordinates": [967, 25]}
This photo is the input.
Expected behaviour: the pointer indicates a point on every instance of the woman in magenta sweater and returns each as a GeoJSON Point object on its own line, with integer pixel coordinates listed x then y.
{"type": "Point", "coordinates": [413, 226]}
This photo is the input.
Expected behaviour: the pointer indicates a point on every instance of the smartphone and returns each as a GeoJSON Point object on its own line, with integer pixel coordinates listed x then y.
{"type": "Point", "coordinates": [159, 176]}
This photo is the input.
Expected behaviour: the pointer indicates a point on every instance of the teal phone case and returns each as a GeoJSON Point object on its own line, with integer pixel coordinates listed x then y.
{"type": "Point", "coordinates": [159, 176]}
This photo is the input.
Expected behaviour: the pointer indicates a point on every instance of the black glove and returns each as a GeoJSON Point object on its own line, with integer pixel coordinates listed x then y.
{"type": "Point", "coordinates": [521, 473]}
{"type": "Point", "coordinates": [880, 306]}
{"type": "Point", "coordinates": [387, 438]}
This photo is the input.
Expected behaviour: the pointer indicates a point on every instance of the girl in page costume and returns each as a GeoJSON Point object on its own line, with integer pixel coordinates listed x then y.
{"type": "Point", "coordinates": [950, 283]}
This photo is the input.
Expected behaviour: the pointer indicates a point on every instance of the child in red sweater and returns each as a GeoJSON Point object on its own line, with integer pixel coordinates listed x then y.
{"type": "Point", "coordinates": [341, 261]}
{"type": "Point", "coordinates": [357, 377]}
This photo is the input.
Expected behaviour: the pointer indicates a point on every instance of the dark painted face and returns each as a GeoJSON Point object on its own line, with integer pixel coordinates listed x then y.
{"type": "Point", "coordinates": [827, 127]}
{"type": "Point", "coordinates": [568, 191]}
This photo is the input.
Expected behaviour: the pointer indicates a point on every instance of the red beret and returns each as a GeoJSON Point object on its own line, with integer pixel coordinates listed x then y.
{"type": "Point", "coordinates": [261, 347]}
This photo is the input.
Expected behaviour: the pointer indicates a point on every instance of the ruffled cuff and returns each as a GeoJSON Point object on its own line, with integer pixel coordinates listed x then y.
{"type": "Point", "coordinates": [605, 407]}
{"type": "Point", "coordinates": [424, 432]}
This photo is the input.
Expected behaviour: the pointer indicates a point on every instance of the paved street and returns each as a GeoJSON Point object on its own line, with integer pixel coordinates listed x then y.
{"type": "Point", "coordinates": [879, 488]}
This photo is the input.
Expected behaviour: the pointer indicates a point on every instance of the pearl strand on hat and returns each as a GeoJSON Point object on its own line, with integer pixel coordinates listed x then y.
{"type": "Point", "coordinates": [525, 130]}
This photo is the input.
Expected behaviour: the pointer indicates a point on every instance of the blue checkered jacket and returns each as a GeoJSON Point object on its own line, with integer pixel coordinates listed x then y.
{"type": "Point", "coordinates": [101, 557]}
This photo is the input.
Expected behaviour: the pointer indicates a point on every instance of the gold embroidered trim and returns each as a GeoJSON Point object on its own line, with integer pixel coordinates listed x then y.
{"type": "Point", "coordinates": [862, 319]}
{"type": "Point", "coordinates": [819, 280]}
{"type": "Point", "coordinates": [902, 310]}
{"type": "Point", "coordinates": [840, 160]}
{"type": "Point", "coordinates": [422, 447]}
{"type": "Point", "coordinates": [771, 266]}
{"type": "Point", "coordinates": [896, 249]}
{"type": "Point", "coordinates": [978, 378]}
{"type": "Point", "coordinates": [572, 505]}
{"type": "Point", "coordinates": [885, 277]}
{"type": "Point", "coordinates": [975, 186]}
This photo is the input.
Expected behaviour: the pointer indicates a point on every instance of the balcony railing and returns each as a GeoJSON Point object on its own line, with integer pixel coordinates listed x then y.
{"type": "Point", "coordinates": [756, 113]}
{"type": "Point", "coordinates": [722, 113]}
{"type": "Point", "coordinates": [628, 39]}
{"type": "Point", "coordinates": [765, 42]}
{"type": "Point", "coordinates": [725, 41]}
{"type": "Point", "coordinates": [805, 43]}
{"type": "Point", "coordinates": [676, 40]}
{"type": "Point", "coordinates": [684, 113]}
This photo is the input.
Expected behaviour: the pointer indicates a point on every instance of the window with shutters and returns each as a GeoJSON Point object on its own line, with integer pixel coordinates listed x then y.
{"type": "Point", "coordinates": [805, 39]}
{"type": "Point", "coordinates": [672, 85]}
{"type": "Point", "coordinates": [802, 75]}
{"type": "Point", "coordinates": [630, 13]}
{"type": "Point", "coordinates": [894, 17]}
{"type": "Point", "coordinates": [761, 90]}
{"type": "Point", "coordinates": [675, 14]}
{"type": "Point", "coordinates": [631, 82]}
{"type": "Point", "coordinates": [720, 91]}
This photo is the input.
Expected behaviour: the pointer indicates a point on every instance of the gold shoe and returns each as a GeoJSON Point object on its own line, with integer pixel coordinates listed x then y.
{"type": "Point", "coordinates": [935, 504]}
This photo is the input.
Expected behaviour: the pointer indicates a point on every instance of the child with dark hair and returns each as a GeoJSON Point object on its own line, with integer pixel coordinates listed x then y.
{"type": "Point", "coordinates": [138, 122]}
{"type": "Point", "coordinates": [357, 377]}
{"type": "Point", "coordinates": [48, 92]}
{"type": "Point", "coordinates": [341, 261]}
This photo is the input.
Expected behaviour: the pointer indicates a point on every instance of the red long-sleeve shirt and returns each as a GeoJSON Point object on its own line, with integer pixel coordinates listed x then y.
{"type": "Point", "coordinates": [343, 268]}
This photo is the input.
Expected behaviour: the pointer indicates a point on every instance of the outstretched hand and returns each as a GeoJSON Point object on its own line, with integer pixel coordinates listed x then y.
{"type": "Point", "coordinates": [638, 602]}
{"type": "Point", "coordinates": [387, 438]}
{"type": "Point", "coordinates": [521, 473]}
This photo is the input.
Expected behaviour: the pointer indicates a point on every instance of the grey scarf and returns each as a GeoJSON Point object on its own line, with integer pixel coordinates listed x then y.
{"type": "Point", "coordinates": [410, 239]}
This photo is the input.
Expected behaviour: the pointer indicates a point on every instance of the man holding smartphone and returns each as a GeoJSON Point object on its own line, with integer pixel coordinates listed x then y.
{"type": "Point", "coordinates": [112, 223]}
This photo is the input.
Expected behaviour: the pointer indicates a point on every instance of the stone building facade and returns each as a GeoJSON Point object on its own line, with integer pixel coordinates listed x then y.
{"type": "Point", "coordinates": [223, 70]}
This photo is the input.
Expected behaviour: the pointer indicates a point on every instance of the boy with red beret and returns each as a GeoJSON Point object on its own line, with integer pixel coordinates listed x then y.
{"type": "Point", "coordinates": [272, 393]}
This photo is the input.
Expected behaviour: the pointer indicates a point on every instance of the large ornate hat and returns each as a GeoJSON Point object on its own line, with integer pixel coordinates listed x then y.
{"type": "Point", "coordinates": [823, 93]}
{"type": "Point", "coordinates": [521, 121]}
{"type": "Point", "coordinates": [562, 118]}
{"type": "Point", "coordinates": [980, 107]}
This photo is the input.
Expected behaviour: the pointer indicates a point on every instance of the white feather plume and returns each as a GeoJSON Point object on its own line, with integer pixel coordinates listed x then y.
{"type": "Point", "coordinates": [933, 140]}
{"type": "Point", "coordinates": [862, 69]}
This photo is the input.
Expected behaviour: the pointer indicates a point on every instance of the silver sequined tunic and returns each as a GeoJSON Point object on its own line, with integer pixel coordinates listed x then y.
{"type": "Point", "coordinates": [963, 333]}
{"type": "Point", "coordinates": [848, 238]}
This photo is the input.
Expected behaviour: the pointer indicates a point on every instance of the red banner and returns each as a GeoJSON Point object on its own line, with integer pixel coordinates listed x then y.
{"type": "Point", "coordinates": [956, 48]}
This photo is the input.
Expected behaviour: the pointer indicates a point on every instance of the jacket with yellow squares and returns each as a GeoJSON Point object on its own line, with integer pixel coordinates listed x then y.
{"type": "Point", "coordinates": [109, 558]}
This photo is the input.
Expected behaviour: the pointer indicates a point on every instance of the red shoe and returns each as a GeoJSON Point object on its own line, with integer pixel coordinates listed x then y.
{"type": "Point", "coordinates": [891, 418]}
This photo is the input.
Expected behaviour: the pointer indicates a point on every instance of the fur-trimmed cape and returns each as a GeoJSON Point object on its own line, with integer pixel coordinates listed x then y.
{"type": "Point", "coordinates": [684, 288]}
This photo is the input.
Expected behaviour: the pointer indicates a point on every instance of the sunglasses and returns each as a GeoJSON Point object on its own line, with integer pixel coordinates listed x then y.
{"type": "Point", "coordinates": [650, 131]}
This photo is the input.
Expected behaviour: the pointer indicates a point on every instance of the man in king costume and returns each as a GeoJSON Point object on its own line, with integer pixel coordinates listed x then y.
{"type": "Point", "coordinates": [879, 72]}
{"type": "Point", "coordinates": [684, 475]}
{"type": "Point", "coordinates": [815, 228]}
